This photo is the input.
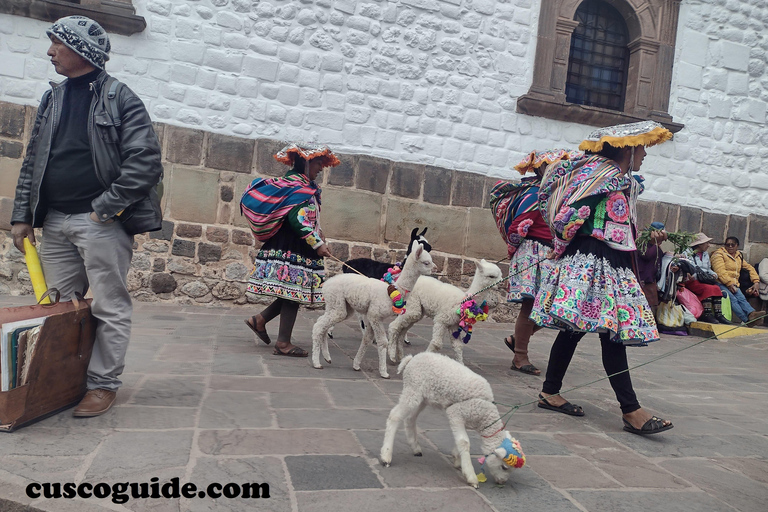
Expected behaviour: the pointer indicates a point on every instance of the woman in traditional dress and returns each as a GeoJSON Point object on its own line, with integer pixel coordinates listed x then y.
{"type": "Point", "coordinates": [515, 207]}
{"type": "Point", "coordinates": [283, 213]}
{"type": "Point", "coordinates": [590, 205]}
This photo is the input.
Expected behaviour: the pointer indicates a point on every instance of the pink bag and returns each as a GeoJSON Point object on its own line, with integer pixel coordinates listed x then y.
{"type": "Point", "coordinates": [690, 301]}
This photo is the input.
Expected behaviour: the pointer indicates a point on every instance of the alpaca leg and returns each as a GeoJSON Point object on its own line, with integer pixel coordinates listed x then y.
{"type": "Point", "coordinates": [397, 332]}
{"type": "Point", "coordinates": [410, 429]}
{"type": "Point", "coordinates": [458, 348]}
{"type": "Point", "coordinates": [380, 334]}
{"type": "Point", "coordinates": [456, 420]}
{"type": "Point", "coordinates": [439, 332]}
{"type": "Point", "coordinates": [402, 410]}
{"type": "Point", "coordinates": [367, 339]}
{"type": "Point", "coordinates": [319, 334]}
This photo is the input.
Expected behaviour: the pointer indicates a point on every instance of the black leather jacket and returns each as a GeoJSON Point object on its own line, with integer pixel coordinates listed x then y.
{"type": "Point", "coordinates": [126, 158]}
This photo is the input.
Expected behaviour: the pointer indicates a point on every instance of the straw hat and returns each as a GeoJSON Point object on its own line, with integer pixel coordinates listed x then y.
{"type": "Point", "coordinates": [644, 133]}
{"type": "Point", "coordinates": [307, 151]}
{"type": "Point", "coordinates": [701, 238]}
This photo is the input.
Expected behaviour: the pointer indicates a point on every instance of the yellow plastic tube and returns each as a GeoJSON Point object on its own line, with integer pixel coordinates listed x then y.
{"type": "Point", "coordinates": [35, 271]}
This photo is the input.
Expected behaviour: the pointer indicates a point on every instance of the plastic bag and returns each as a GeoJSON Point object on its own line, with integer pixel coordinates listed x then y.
{"type": "Point", "coordinates": [670, 314]}
{"type": "Point", "coordinates": [688, 317]}
{"type": "Point", "coordinates": [690, 301]}
{"type": "Point", "coordinates": [725, 306]}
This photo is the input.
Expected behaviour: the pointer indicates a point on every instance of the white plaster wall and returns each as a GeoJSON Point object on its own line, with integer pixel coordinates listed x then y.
{"type": "Point", "coordinates": [424, 81]}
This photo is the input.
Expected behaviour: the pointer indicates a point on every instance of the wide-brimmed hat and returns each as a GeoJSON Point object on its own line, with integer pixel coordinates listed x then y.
{"type": "Point", "coordinates": [644, 133]}
{"type": "Point", "coordinates": [701, 238]}
{"type": "Point", "coordinates": [307, 151]}
{"type": "Point", "coordinates": [538, 158]}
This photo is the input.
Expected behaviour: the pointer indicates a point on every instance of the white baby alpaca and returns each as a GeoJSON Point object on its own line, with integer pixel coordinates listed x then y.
{"type": "Point", "coordinates": [439, 301]}
{"type": "Point", "coordinates": [467, 399]}
{"type": "Point", "coordinates": [348, 293]}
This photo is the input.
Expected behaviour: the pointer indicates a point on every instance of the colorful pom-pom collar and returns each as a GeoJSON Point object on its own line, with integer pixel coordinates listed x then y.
{"type": "Point", "coordinates": [538, 158]}
{"type": "Point", "coordinates": [470, 312]}
{"type": "Point", "coordinates": [509, 451]}
{"type": "Point", "coordinates": [307, 152]}
{"type": "Point", "coordinates": [644, 133]}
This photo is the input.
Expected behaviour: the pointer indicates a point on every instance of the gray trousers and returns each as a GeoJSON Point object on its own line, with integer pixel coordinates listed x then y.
{"type": "Point", "coordinates": [76, 253]}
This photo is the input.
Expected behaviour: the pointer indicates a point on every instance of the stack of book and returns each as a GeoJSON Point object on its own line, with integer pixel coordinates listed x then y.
{"type": "Point", "coordinates": [18, 341]}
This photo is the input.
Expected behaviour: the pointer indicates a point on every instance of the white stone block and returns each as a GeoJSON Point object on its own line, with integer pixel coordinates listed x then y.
{"type": "Point", "coordinates": [689, 75]}
{"type": "Point", "coordinates": [13, 66]}
{"type": "Point", "coordinates": [258, 67]}
{"type": "Point", "coordinates": [738, 84]}
{"type": "Point", "coordinates": [720, 107]}
{"type": "Point", "coordinates": [751, 110]}
{"type": "Point", "coordinates": [695, 46]}
{"type": "Point", "coordinates": [188, 52]}
{"type": "Point", "coordinates": [735, 56]}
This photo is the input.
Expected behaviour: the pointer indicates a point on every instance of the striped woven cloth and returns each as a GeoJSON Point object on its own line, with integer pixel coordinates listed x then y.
{"type": "Point", "coordinates": [510, 200]}
{"type": "Point", "coordinates": [266, 202]}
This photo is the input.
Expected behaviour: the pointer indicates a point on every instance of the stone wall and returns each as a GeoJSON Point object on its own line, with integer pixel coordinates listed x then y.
{"type": "Point", "coordinates": [205, 250]}
{"type": "Point", "coordinates": [432, 82]}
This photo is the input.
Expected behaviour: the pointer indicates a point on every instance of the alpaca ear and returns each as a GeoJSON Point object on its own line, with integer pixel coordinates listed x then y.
{"type": "Point", "coordinates": [414, 236]}
{"type": "Point", "coordinates": [418, 249]}
{"type": "Point", "coordinates": [483, 262]}
{"type": "Point", "coordinates": [423, 231]}
{"type": "Point", "coordinates": [500, 453]}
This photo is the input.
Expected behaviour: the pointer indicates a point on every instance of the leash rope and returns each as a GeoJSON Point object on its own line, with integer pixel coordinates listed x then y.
{"type": "Point", "coordinates": [514, 408]}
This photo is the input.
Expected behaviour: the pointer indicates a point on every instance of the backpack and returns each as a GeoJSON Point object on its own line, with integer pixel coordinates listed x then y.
{"type": "Point", "coordinates": [112, 107]}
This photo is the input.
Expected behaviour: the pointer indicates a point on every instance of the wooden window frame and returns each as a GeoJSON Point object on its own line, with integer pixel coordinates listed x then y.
{"type": "Point", "coordinates": [652, 26]}
{"type": "Point", "coordinates": [116, 16]}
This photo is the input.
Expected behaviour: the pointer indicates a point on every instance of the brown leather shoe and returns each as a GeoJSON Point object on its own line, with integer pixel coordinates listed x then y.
{"type": "Point", "coordinates": [95, 403]}
{"type": "Point", "coordinates": [753, 316]}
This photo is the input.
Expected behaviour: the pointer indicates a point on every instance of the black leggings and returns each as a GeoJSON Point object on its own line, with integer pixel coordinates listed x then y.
{"type": "Point", "coordinates": [614, 360]}
{"type": "Point", "coordinates": [287, 310]}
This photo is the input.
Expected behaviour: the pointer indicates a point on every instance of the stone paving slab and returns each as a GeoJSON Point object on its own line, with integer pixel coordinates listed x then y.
{"type": "Point", "coordinates": [203, 402]}
{"type": "Point", "coordinates": [324, 472]}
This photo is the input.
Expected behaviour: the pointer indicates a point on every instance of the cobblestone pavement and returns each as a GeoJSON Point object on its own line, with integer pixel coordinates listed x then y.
{"type": "Point", "coordinates": [203, 402]}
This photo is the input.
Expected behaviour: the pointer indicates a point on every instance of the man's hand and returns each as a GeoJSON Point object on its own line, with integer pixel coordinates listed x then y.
{"type": "Point", "coordinates": [734, 288]}
{"type": "Point", "coordinates": [19, 232]}
{"type": "Point", "coordinates": [95, 218]}
{"type": "Point", "coordinates": [753, 290]}
{"type": "Point", "coordinates": [323, 251]}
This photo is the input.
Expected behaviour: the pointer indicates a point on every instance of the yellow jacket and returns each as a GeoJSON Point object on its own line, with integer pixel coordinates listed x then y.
{"type": "Point", "coordinates": [728, 267]}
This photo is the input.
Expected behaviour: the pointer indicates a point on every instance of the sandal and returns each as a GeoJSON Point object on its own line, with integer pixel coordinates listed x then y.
{"type": "Point", "coordinates": [509, 341]}
{"type": "Point", "coordinates": [294, 352]}
{"type": "Point", "coordinates": [567, 408]}
{"type": "Point", "coordinates": [263, 336]}
{"type": "Point", "coordinates": [652, 426]}
{"type": "Point", "coordinates": [526, 368]}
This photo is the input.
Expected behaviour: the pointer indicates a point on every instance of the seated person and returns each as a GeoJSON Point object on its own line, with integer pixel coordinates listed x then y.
{"type": "Point", "coordinates": [708, 293]}
{"type": "Point", "coordinates": [649, 265]}
{"type": "Point", "coordinates": [728, 262]}
{"type": "Point", "coordinates": [762, 272]}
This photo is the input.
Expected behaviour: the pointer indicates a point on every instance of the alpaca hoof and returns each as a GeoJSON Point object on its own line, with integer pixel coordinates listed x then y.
{"type": "Point", "coordinates": [330, 335]}
{"type": "Point", "coordinates": [475, 485]}
{"type": "Point", "coordinates": [418, 454]}
{"type": "Point", "coordinates": [406, 342]}
{"type": "Point", "coordinates": [385, 464]}
{"type": "Point", "coordinates": [327, 361]}
{"type": "Point", "coordinates": [356, 368]}
{"type": "Point", "coordinates": [317, 366]}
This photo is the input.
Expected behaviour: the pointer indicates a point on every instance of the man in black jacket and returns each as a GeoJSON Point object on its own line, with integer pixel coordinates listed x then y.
{"type": "Point", "coordinates": [88, 179]}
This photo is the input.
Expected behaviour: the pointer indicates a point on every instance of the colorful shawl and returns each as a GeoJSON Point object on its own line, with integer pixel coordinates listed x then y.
{"type": "Point", "coordinates": [510, 200]}
{"type": "Point", "coordinates": [570, 181]}
{"type": "Point", "coordinates": [266, 202]}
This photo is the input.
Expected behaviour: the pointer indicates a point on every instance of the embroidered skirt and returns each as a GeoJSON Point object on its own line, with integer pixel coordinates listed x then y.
{"type": "Point", "coordinates": [288, 268]}
{"type": "Point", "coordinates": [526, 269]}
{"type": "Point", "coordinates": [592, 288]}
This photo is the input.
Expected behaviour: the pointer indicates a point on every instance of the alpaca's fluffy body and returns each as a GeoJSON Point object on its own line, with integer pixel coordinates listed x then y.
{"type": "Point", "coordinates": [467, 399]}
{"type": "Point", "coordinates": [439, 301]}
{"type": "Point", "coordinates": [377, 269]}
{"type": "Point", "coordinates": [348, 293]}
